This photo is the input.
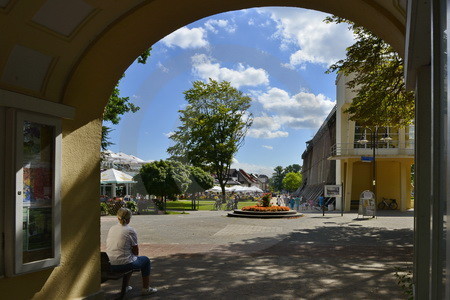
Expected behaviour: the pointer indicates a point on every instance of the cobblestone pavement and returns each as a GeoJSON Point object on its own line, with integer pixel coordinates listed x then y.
{"type": "Point", "coordinates": [206, 255]}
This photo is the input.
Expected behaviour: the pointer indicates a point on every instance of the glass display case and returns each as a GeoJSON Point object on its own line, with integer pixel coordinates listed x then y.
{"type": "Point", "coordinates": [35, 214]}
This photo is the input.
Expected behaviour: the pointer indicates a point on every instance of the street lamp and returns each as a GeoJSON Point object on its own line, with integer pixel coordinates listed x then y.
{"type": "Point", "coordinates": [374, 144]}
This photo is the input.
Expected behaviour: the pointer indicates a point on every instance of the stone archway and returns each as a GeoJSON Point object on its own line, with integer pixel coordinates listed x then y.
{"type": "Point", "coordinates": [73, 55]}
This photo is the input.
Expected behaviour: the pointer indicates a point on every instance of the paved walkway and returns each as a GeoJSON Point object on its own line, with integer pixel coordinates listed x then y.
{"type": "Point", "coordinates": [205, 255]}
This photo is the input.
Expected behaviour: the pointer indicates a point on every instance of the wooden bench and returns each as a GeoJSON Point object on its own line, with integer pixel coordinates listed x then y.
{"type": "Point", "coordinates": [108, 274]}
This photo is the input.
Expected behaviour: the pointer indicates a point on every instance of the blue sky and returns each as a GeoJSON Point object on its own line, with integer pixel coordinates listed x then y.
{"type": "Point", "coordinates": [277, 56]}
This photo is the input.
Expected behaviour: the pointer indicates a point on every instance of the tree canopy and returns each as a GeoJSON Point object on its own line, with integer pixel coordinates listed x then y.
{"type": "Point", "coordinates": [277, 178]}
{"type": "Point", "coordinates": [292, 181]}
{"type": "Point", "coordinates": [279, 174]}
{"type": "Point", "coordinates": [376, 73]}
{"type": "Point", "coordinates": [164, 178]}
{"type": "Point", "coordinates": [200, 180]}
{"type": "Point", "coordinates": [293, 168]}
{"type": "Point", "coordinates": [213, 127]}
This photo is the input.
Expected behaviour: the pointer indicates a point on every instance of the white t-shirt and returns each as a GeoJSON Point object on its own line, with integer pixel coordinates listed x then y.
{"type": "Point", "coordinates": [118, 244]}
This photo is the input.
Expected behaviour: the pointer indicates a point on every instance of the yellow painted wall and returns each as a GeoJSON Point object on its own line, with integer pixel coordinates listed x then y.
{"type": "Point", "coordinates": [79, 272]}
{"type": "Point", "coordinates": [362, 174]}
{"type": "Point", "coordinates": [388, 180]}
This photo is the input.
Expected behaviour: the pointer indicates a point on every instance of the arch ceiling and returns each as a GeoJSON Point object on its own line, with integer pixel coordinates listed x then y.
{"type": "Point", "coordinates": [73, 51]}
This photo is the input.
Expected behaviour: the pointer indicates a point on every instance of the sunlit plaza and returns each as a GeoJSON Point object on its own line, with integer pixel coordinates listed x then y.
{"type": "Point", "coordinates": [206, 255]}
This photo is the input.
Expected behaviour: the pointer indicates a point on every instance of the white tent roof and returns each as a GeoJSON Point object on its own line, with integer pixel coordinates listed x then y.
{"type": "Point", "coordinates": [238, 188]}
{"type": "Point", "coordinates": [215, 188]}
{"type": "Point", "coordinates": [115, 176]}
{"type": "Point", "coordinates": [255, 189]}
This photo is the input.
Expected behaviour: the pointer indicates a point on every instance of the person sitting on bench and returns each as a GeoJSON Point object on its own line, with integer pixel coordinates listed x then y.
{"type": "Point", "coordinates": [123, 251]}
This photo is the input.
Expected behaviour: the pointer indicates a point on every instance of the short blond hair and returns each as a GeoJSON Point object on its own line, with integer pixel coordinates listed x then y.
{"type": "Point", "coordinates": [124, 215]}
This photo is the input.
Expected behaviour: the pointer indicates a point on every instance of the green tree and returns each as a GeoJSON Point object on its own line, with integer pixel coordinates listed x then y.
{"type": "Point", "coordinates": [293, 168]}
{"type": "Point", "coordinates": [376, 73]}
{"type": "Point", "coordinates": [292, 181]}
{"type": "Point", "coordinates": [200, 181]}
{"type": "Point", "coordinates": [164, 178]}
{"type": "Point", "coordinates": [213, 127]}
{"type": "Point", "coordinates": [277, 178]}
{"type": "Point", "coordinates": [118, 106]}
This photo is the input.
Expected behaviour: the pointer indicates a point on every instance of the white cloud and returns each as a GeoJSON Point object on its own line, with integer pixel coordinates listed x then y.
{"type": "Point", "coordinates": [205, 68]}
{"type": "Point", "coordinates": [267, 147]}
{"type": "Point", "coordinates": [212, 26]}
{"type": "Point", "coordinates": [266, 127]}
{"type": "Point", "coordinates": [316, 42]}
{"type": "Point", "coordinates": [186, 38]}
{"type": "Point", "coordinates": [162, 67]}
{"type": "Point", "coordinates": [303, 110]}
{"type": "Point", "coordinates": [251, 168]}
{"type": "Point", "coordinates": [169, 134]}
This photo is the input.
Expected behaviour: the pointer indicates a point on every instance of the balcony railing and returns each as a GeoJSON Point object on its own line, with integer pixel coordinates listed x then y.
{"type": "Point", "coordinates": [393, 148]}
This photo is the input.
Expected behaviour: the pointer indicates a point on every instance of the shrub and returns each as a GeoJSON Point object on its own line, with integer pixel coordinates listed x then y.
{"type": "Point", "coordinates": [131, 205]}
{"type": "Point", "coordinates": [103, 208]}
{"type": "Point", "coordinates": [265, 200]}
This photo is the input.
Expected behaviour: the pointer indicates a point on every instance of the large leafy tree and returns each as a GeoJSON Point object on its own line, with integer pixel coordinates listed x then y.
{"type": "Point", "coordinates": [213, 127]}
{"type": "Point", "coordinates": [292, 181]}
{"type": "Point", "coordinates": [164, 178]}
{"type": "Point", "coordinates": [376, 73]}
{"type": "Point", "coordinates": [277, 178]}
{"type": "Point", "coordinates": [293, 168]}
{"type": "Point", "coordinates": [118, 106]}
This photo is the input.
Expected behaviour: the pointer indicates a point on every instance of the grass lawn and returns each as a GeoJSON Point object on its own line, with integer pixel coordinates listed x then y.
{"type": "Point", "coordinates": [203, 204]}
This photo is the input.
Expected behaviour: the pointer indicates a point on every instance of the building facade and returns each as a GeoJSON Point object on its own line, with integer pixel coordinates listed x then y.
{"type": "Point", "coordinates": [375, 159]}
{"type": "Point", "coordinates": [317, 169]}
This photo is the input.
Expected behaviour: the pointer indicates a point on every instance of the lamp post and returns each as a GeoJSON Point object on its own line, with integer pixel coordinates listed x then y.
{"type": "Point", "coordinates": [374, 146]}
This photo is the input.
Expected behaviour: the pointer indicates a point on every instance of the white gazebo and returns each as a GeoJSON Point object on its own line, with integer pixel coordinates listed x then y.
{"type": "Point", "coordinates": [113, 177]}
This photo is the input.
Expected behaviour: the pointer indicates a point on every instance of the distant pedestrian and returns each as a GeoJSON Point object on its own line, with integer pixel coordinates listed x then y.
{"type": "Point", "coordinates": [291, 203]}
{"type": "Point", "coordinates": [321, 201]}
{"type": "Point", "coordinates": [297, 203]}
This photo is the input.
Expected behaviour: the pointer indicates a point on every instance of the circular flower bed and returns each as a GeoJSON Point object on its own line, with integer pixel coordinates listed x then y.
{"type": "Point", "coordinates": [268, 208]}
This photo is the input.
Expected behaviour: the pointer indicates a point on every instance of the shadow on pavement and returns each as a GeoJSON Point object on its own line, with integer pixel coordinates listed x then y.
{"type": "Point", "coordinates": [333, 262]}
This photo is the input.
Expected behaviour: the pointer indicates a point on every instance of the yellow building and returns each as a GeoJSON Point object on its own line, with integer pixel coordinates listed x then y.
{"type": "Point", "coordinates": [59, 62]}
{"type": "Point", "coordinates": [375, 159]}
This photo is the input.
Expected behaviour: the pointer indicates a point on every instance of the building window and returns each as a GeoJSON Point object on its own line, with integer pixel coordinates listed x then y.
{"type": "Point", "coordinates": [33, 208]}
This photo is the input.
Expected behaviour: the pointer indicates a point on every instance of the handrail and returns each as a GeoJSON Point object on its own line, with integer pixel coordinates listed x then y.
{"type": "Point", "coordinates": [393, 148]}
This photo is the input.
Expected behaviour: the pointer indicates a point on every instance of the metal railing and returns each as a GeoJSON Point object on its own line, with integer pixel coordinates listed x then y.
{"type": "Point", "coordinates": [392, 148]}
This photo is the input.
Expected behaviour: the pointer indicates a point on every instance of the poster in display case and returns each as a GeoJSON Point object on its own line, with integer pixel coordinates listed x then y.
{"type": "Point", "coordinates": [37, 209]}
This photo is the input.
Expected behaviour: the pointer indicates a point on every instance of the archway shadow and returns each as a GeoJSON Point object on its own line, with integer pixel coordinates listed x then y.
{"type": "Point", "coordinates": [334, 262]}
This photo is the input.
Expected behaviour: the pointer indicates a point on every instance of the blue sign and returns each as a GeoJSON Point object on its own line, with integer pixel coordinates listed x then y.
{"type": "Point", "coordinates": [367, 158]}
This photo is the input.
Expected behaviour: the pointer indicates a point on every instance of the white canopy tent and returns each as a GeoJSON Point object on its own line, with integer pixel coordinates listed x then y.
{"type": "Point", "coordinates": [113, 177]}
{"type": "Point", "coordinates": [255, 189]}
{"type": "Point", "coordinates": [217, 189]}
{"type": "Point", "coordinates": [236, 189]}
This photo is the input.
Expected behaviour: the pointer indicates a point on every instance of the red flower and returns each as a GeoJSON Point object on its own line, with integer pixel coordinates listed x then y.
{"type": "Point", "coordinates": [263, 209]}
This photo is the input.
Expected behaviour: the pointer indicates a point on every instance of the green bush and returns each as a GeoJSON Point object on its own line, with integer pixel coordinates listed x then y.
{"type": "Point", "coordinates": [131, 205]}
{"type": "Point", "coordinates": [103, 208]}
{"type": "Point", "coordinates": [265, 200]}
